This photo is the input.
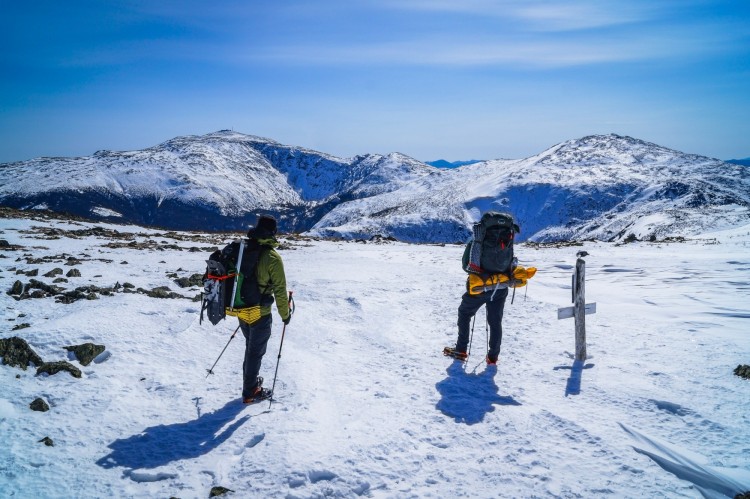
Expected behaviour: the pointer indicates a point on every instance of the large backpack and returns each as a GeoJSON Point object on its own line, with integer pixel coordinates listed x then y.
{"type": "Point", "coordinates": [491, 250]}
{"type": "Point", "coordinates": [222, 272]}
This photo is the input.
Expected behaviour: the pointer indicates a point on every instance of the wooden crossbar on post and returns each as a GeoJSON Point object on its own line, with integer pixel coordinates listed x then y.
{"type": "Point", "coordinates": [580, 308]}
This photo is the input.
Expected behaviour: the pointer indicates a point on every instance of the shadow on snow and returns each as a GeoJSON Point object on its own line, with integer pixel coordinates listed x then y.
{"type": "Point", "coordinates": [163, 444]}
{"type": "Point", "coordinates": [573, 386]}
{"type": "Point", "coordinates": [468, 397]}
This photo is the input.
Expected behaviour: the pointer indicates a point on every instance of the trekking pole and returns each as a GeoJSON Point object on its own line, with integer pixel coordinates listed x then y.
{"type": "Point", "coordinates": [283, 330]}
{"type": "Point", "coordinates": [471, 338]}
{"type": "Point", "coordinates": [211, 371]}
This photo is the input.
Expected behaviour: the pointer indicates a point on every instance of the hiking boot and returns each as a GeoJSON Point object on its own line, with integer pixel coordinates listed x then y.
{"type": "Point", "coordinates": [491, 361]}
{"type": "Point", "coordinates": [258, 395]}
{"type": "Point", "coordinates": [258, 390]}
{"type": "Point", "coordinates": [456, 354]}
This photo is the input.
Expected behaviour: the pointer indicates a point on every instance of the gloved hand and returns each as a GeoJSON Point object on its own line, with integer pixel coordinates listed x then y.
{"type": "Point", "coordinates": [287, 320]}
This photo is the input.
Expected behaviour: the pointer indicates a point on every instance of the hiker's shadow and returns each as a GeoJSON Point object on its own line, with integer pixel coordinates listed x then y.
{"type": "Point", "coordinates": [163, 444]}
{"type": "Point", "coordinates": [469, 397]}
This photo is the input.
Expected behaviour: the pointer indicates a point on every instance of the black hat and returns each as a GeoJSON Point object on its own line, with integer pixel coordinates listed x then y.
{"type": "Point", "coordinates": [265, 226]}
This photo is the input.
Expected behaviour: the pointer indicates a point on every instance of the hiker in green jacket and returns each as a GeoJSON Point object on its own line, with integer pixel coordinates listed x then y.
{"type": "Point", "coordinates": [271, 284]}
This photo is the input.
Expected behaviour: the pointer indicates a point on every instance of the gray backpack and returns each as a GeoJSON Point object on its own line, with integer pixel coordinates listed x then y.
{"type": "Point", "coordinates": [491, 250]}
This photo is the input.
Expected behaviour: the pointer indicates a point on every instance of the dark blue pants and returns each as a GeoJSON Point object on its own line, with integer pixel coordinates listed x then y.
{"type": "Point", "coordinates": [256, 340]}
{"type": "Point", "coordinates": [469, 307]}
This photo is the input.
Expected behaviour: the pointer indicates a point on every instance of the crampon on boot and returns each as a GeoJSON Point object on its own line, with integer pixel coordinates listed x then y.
{"type": "Point", "coordinates": [456, 354]}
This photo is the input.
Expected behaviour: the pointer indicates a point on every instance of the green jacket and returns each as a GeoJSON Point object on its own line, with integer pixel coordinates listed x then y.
{"type": "Point", "coordinates": [271, 278]}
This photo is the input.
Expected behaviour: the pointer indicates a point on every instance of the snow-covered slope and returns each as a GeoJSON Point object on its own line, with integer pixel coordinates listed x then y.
{"type": "Point", "coordinates": [215, 181]}
{"type": "Point", "coordinates": [604, 186]}
{"type": "Point", "coordinates": [366, 405]}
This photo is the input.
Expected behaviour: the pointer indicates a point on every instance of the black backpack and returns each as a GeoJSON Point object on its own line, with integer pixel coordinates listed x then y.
{"type": "Point", "coordinates": [491, 250]}
{"type": "Point", "coordinates": [221, 274]}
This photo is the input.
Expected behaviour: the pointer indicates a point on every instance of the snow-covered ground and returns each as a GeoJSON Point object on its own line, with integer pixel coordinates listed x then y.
{"type": "Point", "coordinates": [365, 402]}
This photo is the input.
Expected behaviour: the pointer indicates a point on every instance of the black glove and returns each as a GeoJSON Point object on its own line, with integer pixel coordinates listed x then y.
{"type": "Point", "coordinates": [287, 320]}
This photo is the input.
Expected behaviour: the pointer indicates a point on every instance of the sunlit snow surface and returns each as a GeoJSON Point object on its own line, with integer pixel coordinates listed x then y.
{"type": "Point", "coordinates": [365, 402]}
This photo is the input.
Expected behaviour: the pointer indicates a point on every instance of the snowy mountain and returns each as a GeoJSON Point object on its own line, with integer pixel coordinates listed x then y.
{"type": "Point", "coordinates": [211, 182]}
{"type": "Point", "coordinates": [606, 187]}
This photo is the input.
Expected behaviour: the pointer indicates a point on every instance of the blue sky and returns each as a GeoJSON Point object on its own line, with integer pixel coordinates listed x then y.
{"type": "Point", "coordinates": [432, 79]}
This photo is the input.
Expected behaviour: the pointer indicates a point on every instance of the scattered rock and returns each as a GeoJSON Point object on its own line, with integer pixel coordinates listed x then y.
{"type": "Point", "coordinates": [21, 326]}
{"type": "Point", "coordinates": [39, 405]}
{"type": "Point", "coordinates": [73, 273]}
{"type": "Point", "coordinates": [18, 376]}
{"type": "Point", "coordinates": [72, 261]}
{"type": "Point", "coordinates": [60, 279]}
{"type": "Point", "coordinates": [4, 243]}
{"type": "Point", "coordinates": [127, 285]}
{"type": "Point", "coordinates": [54, 272]}
{"type": "Point", "coordinates": [188, 282]}
{"type": "Point", "coordinates": [160, 292]}
{"type": "Point", "coordinates": [47, 441]}
{"type": "Point", "coordinates": [744, 495]}
{"type": "Point", "coordinates": [17, 353]}
{"type": "Point", "coordinates": [124, 262]}
{"type": "Point", "coordinates": [52, 368]}
{"type": "Point", "coordinates": [16, 289]}
{"type": "Point", "coordinates": [219, 491]}
{"type": "Point", "coordinates": [86, 352]}
{"type": "Point", "coordinates": [743, 371]}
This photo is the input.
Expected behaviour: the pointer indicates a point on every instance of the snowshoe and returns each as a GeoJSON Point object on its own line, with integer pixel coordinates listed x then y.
{"type": "Point", "coordinates": [456, 354]}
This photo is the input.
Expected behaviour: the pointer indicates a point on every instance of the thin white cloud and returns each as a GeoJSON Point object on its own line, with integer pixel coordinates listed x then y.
{"type": "Point", "coordinates": [539, 15]}
{"type": "Point", "coordinates": [512, 52]}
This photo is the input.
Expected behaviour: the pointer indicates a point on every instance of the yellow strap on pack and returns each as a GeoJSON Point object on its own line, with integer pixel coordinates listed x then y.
{"type": "Point", "coordinates": [481, 284]}
{"type": "Point", "coordinates": [249, 314]}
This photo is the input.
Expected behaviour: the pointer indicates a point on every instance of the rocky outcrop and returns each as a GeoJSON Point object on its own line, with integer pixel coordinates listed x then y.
{"type": "Point", "coordinates": [47, 441]}
{"type": "Point", "coordinates": [39, 405]}
{"type": "Point", "coordinates": [16, 352]}
{"type": "Point", "coordinates": [743, 371]}
{"type": "Point", "coordinates": [52, 368]}
{"type": "Point", "coordinates": [86, 352]}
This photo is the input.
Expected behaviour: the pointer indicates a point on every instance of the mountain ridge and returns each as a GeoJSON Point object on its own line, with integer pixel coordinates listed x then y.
{"type": "Point", "coordinates": [599, 186]}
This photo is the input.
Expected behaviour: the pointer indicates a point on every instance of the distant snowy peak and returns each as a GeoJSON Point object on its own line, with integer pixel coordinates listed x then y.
{"type": "Point", "coordinates": [608, 149]}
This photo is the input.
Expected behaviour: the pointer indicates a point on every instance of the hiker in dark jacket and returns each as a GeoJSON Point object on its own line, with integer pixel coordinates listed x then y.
{"type": "Point", "coordinates": [272, 284]}
{"type": "Point", "coordinates": [494, 300]}
{"type": "Point", "coordinates": [489, 260]}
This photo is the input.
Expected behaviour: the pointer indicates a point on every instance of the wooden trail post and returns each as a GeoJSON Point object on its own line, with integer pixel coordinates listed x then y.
{"type": "Point", "coordinates": [580, 308]}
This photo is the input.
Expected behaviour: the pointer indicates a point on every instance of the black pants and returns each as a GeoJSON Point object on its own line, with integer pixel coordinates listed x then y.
{"type": "Point", "coordinates": [256, 340]}
{"type": "Point", "coordinates": [469, 307]}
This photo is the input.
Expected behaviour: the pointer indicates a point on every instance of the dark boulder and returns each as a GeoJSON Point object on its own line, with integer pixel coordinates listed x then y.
{"type": "Point", "coordinates": [219, 491]}
{"type": "Point", "coordinates": [47, 441]}
{"type": "Point", "coordinates": [55, 367]}
{"type": "Point", "coordinates": [17, 353]}
{"type": "Point", "coordinates": [16, 289]}
{"type": "Point", "coordinates": [73, 273]}
{"type": "Point", "coordinates": [39, 405]}
{"type": "Point", "coordinates": [86, 352]}
{"type": "Point", "coordinates": [54, 272]}
{"type": "Point", "coordinates": [743, 371]}
{"type": "Point", "coordinates": [187, 282]}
